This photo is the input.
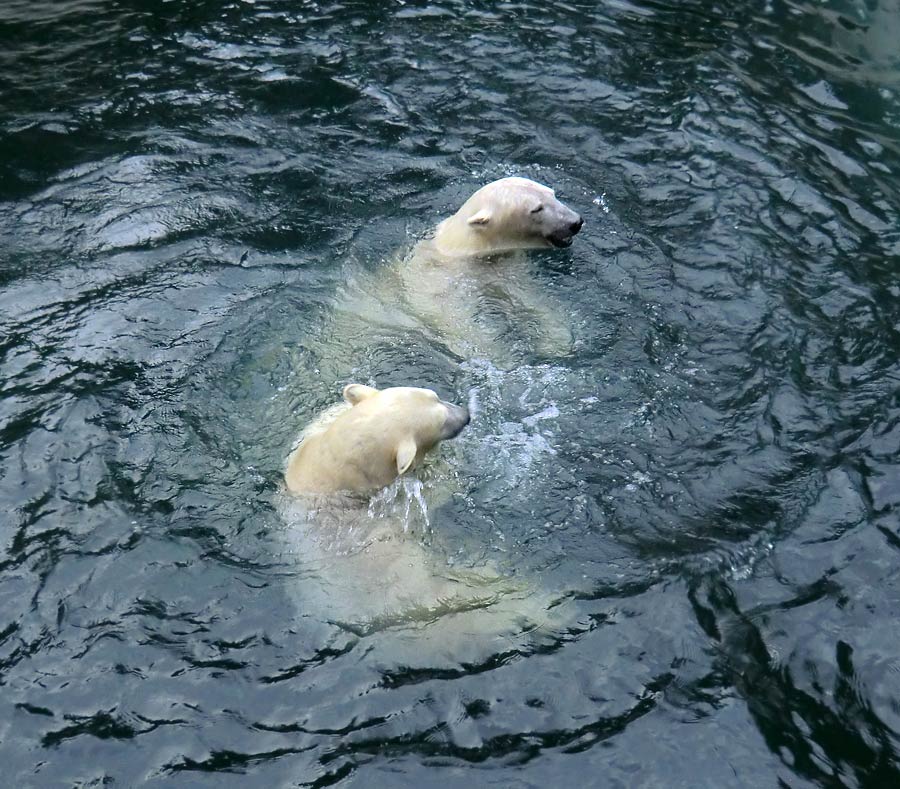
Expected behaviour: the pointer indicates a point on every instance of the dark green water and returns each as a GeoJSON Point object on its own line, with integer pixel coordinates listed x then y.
{"type": "Point", "coordinates": [711, 479]}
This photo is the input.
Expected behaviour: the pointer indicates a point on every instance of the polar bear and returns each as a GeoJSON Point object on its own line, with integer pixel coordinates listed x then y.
{"type": "Point", "coordinates": [363, 569]}
{"type": "Point", "coordinates": [372, 438]}
{"type": "Point", "coordinates": [508, 214]}
{"type": "Point", "coordinates": [468, 286]}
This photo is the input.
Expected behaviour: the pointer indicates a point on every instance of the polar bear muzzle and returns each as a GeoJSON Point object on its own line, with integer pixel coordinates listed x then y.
{"type": "Point", "coordinates": [457, 418]}
{"type": "Point", "coordinates": [562, 236]}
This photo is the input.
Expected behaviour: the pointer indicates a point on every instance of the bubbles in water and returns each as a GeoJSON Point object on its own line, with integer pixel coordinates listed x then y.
{"type": "Point", "coordinates": [600, 200]}
{"type": "Point", "coordinates": [640, 478]}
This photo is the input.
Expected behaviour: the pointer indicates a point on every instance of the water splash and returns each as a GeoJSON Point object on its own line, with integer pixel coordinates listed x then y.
{"type": "Point", "coordinates": [508, 450]}
{"type": "Point", "coordinates": [397, 500]}
{"type": "Point", "coordinates": [600, 200]}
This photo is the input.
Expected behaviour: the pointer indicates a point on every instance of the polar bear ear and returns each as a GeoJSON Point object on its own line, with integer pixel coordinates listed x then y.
{"type": "Point", "coordinates": [480, 218]}
{"type": "Point", "coordinates": [406, 455]}
{"type": "Point", "coordinates": [355, 393]}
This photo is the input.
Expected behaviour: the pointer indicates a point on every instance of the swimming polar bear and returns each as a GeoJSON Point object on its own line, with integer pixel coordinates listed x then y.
{"type": "Point", "coordinates": [368, 573]}
{"type": "Point", "coordinates": [372, 438]}
{"type": "Point", "coordinates": [468, 286]}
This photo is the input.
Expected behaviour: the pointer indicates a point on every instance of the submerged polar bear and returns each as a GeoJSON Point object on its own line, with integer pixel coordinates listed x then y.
{"type": "Point", "coordinates": [467, 287]}
{"type": "Point", "coordinates": [368, 572]}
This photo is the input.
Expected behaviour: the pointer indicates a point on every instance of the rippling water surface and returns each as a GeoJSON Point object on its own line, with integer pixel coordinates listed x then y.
{"type": "Point", "coordinates": [709, 482]}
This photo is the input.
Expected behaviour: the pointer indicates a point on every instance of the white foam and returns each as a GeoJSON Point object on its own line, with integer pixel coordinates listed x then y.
{"type": "Point", "coordinates": [600, 200]}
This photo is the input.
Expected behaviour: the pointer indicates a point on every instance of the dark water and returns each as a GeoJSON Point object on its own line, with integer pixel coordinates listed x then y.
{"type": "Point", "coordinates": [711, 479]}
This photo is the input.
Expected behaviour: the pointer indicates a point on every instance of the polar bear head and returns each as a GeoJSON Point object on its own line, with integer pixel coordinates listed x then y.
{"type": "Point", "coordinates": [376, 437]}
{"type": "Point", "coordinates": [512, 213]}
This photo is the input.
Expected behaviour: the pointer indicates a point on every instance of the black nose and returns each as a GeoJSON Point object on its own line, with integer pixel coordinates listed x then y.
{"type": "Point", "coordinates": [458, 417]}
{"type": "Point", "coordinates": [576, 226]}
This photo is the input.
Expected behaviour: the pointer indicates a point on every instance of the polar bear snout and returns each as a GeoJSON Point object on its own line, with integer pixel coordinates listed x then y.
{"type": "Point", "coordinates": [563, 231]}
{"type": "Point", "coordinates": [457, 418]}
{"type": "Point", "coordinates": [563, 236]}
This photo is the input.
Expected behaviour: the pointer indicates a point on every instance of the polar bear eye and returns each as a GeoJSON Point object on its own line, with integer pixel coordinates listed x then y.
{"type": "Point", "coordinates": [537, 210]}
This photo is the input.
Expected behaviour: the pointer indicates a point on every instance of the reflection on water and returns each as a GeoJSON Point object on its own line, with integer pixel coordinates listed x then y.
{"type": "Point", "coordinates": [706, 488]}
